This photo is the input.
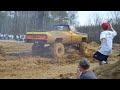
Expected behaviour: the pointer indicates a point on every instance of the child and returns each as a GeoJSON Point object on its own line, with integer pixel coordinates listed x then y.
{"type": "Point", "coordinates": [106, 38]}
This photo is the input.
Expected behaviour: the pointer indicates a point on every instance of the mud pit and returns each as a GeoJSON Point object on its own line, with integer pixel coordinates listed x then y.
{"type": "Point", "coordinates": [20, 64]}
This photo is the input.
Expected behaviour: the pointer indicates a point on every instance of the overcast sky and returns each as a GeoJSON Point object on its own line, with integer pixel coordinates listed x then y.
{"type": "Point", "coordinates": [85, 15]}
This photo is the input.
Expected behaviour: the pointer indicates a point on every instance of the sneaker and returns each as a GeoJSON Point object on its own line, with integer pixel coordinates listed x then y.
{"type": "Point", "coordinates": [102, 62]}
{"type": "Point", "coordinates": [106, 62]}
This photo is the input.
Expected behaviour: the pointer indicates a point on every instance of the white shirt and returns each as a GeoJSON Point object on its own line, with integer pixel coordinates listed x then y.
{"type": "Point", "coordinates": [106, 48]}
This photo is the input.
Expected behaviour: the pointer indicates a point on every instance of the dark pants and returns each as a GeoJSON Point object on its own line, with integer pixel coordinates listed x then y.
{"type": "Point", "coordinates": [100, 57]}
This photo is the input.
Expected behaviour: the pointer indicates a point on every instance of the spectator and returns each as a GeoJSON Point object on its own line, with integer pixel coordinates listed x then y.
{"type": "Point", "coordinates": [83, 71]}
{"type": "Point", "coordinates": [106, 38]}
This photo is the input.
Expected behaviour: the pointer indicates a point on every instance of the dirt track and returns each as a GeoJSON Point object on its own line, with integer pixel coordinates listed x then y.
{"type": "Point", "coordinates": [20, 64]}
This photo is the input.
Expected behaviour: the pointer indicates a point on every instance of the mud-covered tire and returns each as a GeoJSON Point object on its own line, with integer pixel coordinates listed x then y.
{"type": "Point", "coordinates": [83, 47]}
{"type": "Point", "coordinates": [37, 49]}
{"type": "Point", "coordinates": [57, 50]}
{"type": "Point", "coordinates": [34, 49]}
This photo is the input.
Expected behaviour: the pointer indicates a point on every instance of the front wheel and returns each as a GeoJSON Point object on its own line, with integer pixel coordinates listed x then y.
{"type": "Point", "coordinates": [83, 47]}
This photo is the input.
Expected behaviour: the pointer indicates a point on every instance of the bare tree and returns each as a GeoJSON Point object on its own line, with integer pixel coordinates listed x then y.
{"type": "Point", "coordinates": [19, 22]}
{"type": "Point", "coordinates": [115, 16]}
{"type": "Point", "coordinates": [97, 19]}
{"type": "Point", "coordinates": [72, 18]}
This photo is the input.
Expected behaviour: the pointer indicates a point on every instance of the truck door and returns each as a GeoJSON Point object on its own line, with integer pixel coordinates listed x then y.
{"type": "Point", "coordinates": [75, 38]}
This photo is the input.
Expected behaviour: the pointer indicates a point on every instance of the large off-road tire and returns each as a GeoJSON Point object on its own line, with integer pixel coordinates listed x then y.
{"type": "Point", "coordinates": [83, 47]}
{"type": "Point", "coordinates": [57, 50]}
{"type": "Point", "coordinates": [37, 49]}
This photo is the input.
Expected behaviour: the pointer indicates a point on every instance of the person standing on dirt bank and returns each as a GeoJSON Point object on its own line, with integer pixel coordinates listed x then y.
{"type": "Point", "coordinates": [106, 38]}
{"type": "Point", "coordinates": [83, 71]}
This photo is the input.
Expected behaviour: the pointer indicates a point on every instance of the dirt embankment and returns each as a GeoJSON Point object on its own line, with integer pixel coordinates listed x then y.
{"type": "Point", "coordinates": [110, 71]}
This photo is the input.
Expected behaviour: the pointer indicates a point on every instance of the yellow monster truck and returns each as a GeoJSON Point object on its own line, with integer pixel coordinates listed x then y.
{"type": "Point", "coordinates": [57, 40]}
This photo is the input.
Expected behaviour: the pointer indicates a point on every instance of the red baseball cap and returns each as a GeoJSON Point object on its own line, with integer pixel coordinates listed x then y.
{"type": "Point", "coordinates": [105, 25]}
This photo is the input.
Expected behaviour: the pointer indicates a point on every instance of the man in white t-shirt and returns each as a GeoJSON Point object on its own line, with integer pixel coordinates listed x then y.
{"type": "Point", "coordinates": [106, 38]}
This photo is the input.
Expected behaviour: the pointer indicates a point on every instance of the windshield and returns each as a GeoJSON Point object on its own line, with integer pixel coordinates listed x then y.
{"type": "Point", "coordinates": [73, 29]}
{"type": "Point", "coordinates": [61, 27]}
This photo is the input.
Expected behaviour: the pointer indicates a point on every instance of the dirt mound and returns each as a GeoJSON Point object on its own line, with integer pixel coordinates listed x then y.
{"type": "Point", "coordinates": [109, 71]}
{"type": "Point", "coordinates": [94, 44]}
{"type": "Point", "coordinates": [90, 49]}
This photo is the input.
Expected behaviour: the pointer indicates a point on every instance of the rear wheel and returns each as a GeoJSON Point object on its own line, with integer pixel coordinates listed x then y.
{"type": "Point", "coordinates": [37, 49]}
{"type": "Point", "coordinates": [57, 50]}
